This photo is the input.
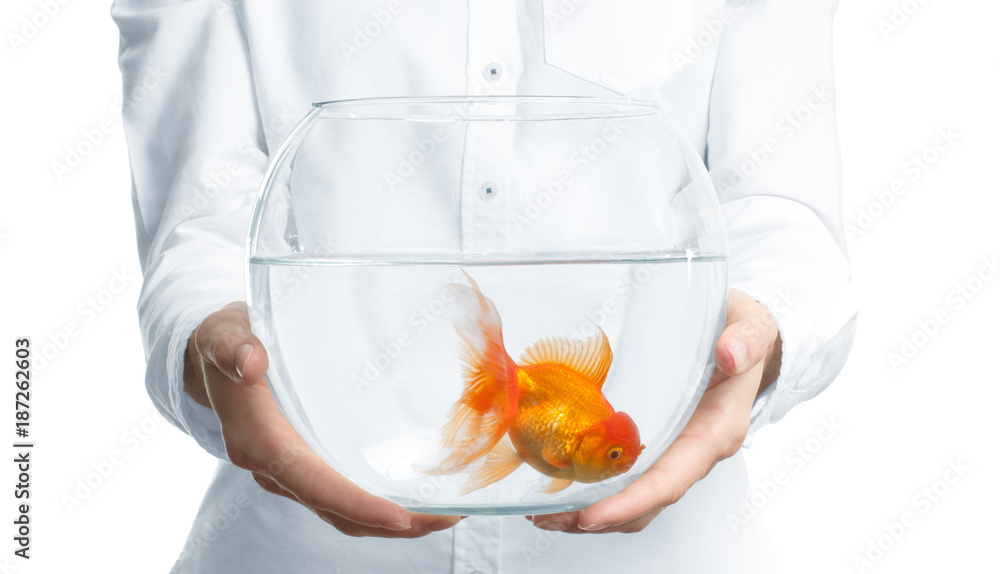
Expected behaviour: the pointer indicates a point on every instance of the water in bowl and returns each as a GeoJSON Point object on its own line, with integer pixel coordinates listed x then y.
{"type": "Point", "coordinates": [365, 363]}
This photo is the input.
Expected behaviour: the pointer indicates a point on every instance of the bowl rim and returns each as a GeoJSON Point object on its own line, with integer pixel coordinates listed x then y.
{"type": "Point", "coordinates": [489, 107]}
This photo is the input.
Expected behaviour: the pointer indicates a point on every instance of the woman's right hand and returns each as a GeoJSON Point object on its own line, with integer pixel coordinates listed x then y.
{"type": "Point", "coordinates": [224, 370]}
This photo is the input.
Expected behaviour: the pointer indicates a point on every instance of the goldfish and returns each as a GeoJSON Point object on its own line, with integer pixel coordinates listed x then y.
{"type": "Point", "coordinates": [546, 410]}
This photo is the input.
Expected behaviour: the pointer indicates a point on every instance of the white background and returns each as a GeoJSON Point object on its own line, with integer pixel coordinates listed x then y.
{"type": "Point", "coordinates": [63, 239]}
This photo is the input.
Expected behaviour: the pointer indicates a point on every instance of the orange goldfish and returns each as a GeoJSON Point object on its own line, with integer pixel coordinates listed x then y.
{"type": "Point", "coordinates": [546, 410]}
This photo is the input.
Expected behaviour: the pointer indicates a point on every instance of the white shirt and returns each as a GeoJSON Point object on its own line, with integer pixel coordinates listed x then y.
{"type": "Point", "coordinates": [212, 87]}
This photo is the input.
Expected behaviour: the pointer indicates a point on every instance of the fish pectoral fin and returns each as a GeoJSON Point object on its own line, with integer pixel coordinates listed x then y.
{"type": "Point", "coordinates": [550, 457]}
{"type": "Point", "coordinates": [590, 358]}
{"type": "Point", "coordinates": [502, 460]}
{"type": "Point", "coordinates": [557, 485]}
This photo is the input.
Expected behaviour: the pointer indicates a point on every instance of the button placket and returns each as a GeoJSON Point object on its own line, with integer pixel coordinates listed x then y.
{"type": "Point", "coordinates": [486, 188]}
{"type": "Point", "coordinates": [494, 48]}
{"type": "Point", "coordinates": [478, 545]}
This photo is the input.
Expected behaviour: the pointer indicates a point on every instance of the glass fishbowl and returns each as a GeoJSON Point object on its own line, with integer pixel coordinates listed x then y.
{"type": "Point", "coordinates": [488, 305]}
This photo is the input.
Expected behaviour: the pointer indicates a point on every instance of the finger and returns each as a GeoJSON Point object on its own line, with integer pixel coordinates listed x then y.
{"type": "Point", "coordinates": [420, 525]}
{"type": "Point", "coordinates": [269, 485]}
{"type": "Point", "coordinates": [259, 438]}
{"type": "Point", "coordinates": [715, 431]}
{"type": "Point", "coordinates": [568, 522]}
{"type": "Point", "coordinates": [558, 522]}
{"type": "Point", "coordinates": [224, 340]}
{"type": "Point", "coordinates": [750, 331]}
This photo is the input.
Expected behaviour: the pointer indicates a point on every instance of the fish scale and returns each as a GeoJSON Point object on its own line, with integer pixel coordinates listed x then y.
{"type": "Point", "coordinates": [555, 406]}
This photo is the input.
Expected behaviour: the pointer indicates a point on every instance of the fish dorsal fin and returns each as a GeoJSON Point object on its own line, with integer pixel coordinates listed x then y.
{"type": "Point", "coordinates": [590, 358]}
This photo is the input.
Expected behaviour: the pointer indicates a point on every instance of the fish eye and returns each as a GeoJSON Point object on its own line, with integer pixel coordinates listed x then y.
{"type": "Point", "coordinates": [615, 452]}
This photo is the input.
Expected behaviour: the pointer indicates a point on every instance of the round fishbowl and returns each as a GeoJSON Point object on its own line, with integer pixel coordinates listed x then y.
{"type": "Point", "coordinates": [488, 305]}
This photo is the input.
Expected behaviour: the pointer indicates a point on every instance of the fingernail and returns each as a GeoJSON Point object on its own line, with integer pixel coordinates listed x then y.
{"type": "Point", "coordinates": [738, 349]}
{"type": "Point", "coordinates": [395, 526]}
{"type": "Point", "coordinates": [242, 354]}
{"type": "Point", "coordinates": [551, 525]}
{"type": "Point", "coordinates": [593, 527]}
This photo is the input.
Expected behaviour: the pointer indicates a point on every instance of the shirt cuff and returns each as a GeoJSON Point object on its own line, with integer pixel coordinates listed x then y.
{"type": "Point", "coordinates": [165, 385]}
{"type": "Point", "coordinates": [782, 255]}
{"type": "Point", "coordinates": [803, 359]}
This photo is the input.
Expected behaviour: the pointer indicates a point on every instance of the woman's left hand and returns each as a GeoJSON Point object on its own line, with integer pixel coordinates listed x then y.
{"type": "Point", "coordinates": [747, 358]}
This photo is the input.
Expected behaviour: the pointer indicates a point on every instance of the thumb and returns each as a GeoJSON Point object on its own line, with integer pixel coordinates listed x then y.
{"type": "Point", "coordinates": [750, 331]}
{"type": "Point", "coordinates": [224, 341]}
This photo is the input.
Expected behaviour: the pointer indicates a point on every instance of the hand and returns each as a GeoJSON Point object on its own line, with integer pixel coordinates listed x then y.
{"type": "Point", "coordinates": [224, 370]}
{"type": "Point", "coordinates": [747, 358]}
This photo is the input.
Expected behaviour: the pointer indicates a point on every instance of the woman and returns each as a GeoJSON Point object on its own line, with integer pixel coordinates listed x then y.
{"type": "Point", "coordinates": [748, 82]}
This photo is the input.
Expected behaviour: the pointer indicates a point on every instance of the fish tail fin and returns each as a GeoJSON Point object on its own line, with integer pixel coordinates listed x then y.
{"type": "Point", "coordinates": [484, 412]}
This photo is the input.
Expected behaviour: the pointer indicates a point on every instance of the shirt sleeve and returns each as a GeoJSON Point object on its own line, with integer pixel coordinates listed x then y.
{"type": "Point", "coordinates": [774, 157]}
{"type": "Point", "coordinates": [196, 151]}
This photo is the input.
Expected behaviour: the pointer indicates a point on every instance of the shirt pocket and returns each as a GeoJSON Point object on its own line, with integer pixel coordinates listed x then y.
{"type": "Point", "coordinates": [618, 44]}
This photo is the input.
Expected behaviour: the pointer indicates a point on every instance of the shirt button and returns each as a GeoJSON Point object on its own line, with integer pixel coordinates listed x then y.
{"type": "Point", "coordinates": [488, 190]}
{"type": "Point", "coordinates": [493, 72]}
